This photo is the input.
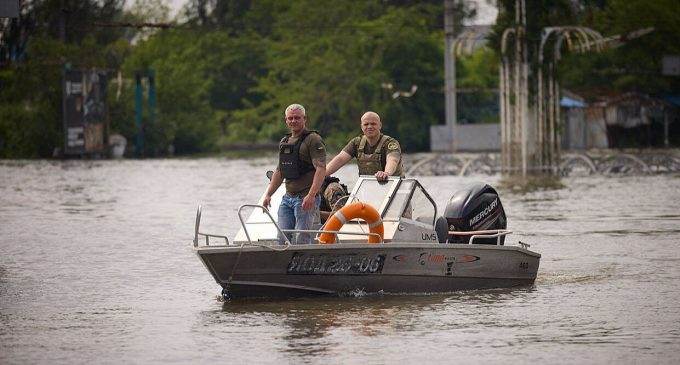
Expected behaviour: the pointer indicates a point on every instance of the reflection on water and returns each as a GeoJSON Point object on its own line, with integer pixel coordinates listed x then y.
{"type": "Point", "coordinates": [97, 266]}
{"type": "Point", "coordinates": [309, 323]}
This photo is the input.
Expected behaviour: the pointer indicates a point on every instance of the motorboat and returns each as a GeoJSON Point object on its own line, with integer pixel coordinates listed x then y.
{"type": "Point", "coordinates": [406, 248]}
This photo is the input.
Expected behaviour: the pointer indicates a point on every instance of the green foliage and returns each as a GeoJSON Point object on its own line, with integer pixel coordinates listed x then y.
{"type": "Point", "coordinates": [636, 65]}
{"type": "Point", "coordinates": [30, 102]}
{"type": "Point", "coordinates": [540, 14]}
{"type": "Point", "coordinates": [477, 80]}
{"type": "Point", "coordinates": [480, 70]}
{"type": "Point", "coordinates": [226, 74]}
{"type": "Point", "coordinates": [202, 79]}
{"type": "Point", "coordinates": [183, 119]}
{"type": "Point", "coordinates": [31, 84]}
{"type": "Point", "coordinates": [333, 58]}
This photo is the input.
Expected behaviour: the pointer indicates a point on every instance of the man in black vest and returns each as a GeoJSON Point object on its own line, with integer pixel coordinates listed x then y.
{"type": "Point", "coordinates": [302, 163]}
{"type": "Point", "coordinates": [377, 154]}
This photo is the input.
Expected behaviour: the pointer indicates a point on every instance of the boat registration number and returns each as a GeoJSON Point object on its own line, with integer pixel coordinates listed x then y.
{"type": "Point", "coordinates": [325, 264]}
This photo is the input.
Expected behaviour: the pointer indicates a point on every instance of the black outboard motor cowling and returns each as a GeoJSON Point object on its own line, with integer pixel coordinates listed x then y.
{"type": "Point", "coordinates": [476, 207]}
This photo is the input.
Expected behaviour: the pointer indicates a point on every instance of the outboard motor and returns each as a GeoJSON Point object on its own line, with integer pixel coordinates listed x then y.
{"type": "Point", "coordinates": [476, 207]}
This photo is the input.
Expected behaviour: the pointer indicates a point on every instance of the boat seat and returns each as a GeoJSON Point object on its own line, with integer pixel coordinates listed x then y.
{"type": "Point", "coordinates": [441, 226]}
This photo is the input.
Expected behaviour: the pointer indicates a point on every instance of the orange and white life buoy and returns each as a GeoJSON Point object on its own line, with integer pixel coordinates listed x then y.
{"type": "Point", "coordinates": [349, 212]}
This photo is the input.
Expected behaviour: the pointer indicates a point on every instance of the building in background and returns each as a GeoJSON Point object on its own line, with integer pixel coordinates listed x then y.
{"type": "Point", "coordinates": [632, 120]}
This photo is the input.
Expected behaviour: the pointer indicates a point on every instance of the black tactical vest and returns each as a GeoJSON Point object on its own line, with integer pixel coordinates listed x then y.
{"type": "Point", "coordinates": [290, 164]}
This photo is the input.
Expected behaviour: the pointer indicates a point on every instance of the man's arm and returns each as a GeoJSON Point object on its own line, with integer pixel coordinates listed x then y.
{"type": "Point", "coordinates": [319, 174]}
{"type": "Point", "coordinates": [337, 162]}
{"type": "Point", "coordinates": [391, 163]}
{"type": "Point", "coordinates": [274, 184]}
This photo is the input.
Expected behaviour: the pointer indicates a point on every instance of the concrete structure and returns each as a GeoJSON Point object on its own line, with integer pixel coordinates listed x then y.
{"type": "Point", "coordinates": [573, 127]}
{"type": "Point", "coordinates": [471, 138]}
{"type": "Point", "coordinates": [441, 138]}
{"type": "Point", "coordinates": [574, 132]}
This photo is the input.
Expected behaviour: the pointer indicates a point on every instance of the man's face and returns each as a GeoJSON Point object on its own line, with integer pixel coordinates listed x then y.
{"type": "Point", "coordinates": [371, 127]}
{"type": "Point", "coordinates": [295, 120]}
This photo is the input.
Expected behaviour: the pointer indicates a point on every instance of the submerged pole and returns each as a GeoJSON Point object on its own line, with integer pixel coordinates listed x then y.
{"type": "Point", "coordinates": [139, 145]}
{"type": "Point", "coordinates": [450, 71]}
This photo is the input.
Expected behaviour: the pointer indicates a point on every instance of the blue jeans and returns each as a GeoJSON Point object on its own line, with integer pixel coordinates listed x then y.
{"type": "Point", "coordinates": [292, 216]}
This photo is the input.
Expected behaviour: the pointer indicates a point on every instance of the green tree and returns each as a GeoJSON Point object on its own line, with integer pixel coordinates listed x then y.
{"type": "Point", "coordinates": [333, 57]}
{"type": "Point", "coordinates": [476, 80]}
{"type": "Point", "coordinates": [202, 78]}
{"type": "Point", "coordinates": [636, 65]}
{"type": "Point", "coordinates": [48, 35]}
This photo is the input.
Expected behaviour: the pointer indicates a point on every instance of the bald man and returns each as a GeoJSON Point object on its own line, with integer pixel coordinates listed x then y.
{"type": "Point", "coordinates": [377, 154]}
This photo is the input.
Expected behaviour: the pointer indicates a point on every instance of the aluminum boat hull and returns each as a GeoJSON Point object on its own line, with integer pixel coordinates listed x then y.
{"type": "Point", "coordinates": [391, 268]}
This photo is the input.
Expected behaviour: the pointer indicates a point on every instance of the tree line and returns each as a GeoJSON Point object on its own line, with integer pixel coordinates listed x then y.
{"type": "Point", "coordinates": [227, 69]}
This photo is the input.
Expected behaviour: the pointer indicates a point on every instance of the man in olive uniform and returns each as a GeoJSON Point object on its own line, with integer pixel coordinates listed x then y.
{"type": "Point", "coordinates": [377, 154]}
{"type": "Point", "coordinates": [302, 163]}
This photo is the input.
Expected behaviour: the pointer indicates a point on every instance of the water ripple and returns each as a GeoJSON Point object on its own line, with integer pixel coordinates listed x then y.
{"type": "Point", "coordinates": [96, 267]}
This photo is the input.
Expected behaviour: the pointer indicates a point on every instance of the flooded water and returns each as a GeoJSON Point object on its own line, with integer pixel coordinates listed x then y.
{"type": "Point", "coordinates": [96, 266]}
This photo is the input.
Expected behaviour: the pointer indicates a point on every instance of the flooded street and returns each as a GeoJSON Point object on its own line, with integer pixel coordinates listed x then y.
{"type": "Point", "coordinates": [97, 266]}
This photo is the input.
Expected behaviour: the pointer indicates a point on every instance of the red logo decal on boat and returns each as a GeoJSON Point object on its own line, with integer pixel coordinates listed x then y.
{"type": "Point", "coordinates": [467, 258]}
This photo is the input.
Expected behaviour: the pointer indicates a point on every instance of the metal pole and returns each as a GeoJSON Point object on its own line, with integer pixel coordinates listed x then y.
{"type": "Point", "coordinates": [539, 110]}
{"type": "Point", "coordinates": [525, 91]}
{"type": "Point", "coordinates": [152, 97]}
{"type": "Point", "coordinates": [558, 123]}
{"type": "Point", "coordinates": [450, 71]}
{"type": "Point", "coordinates": [540, 100]}
{"type": "Point", "coordinates": [665, 126]}
{"type": "Point", "coordinates": [501, 101]}
{"type": "Point", "coordinates": [522, 82]}
{"type": "Point", "coordinates": [516, 146]}
{"type": "Point", "coordinates": [509, 114]}
{"type": "Point", "coordinates": [139, 148]}
{"type": "Point", "coordinates": [506, 110]}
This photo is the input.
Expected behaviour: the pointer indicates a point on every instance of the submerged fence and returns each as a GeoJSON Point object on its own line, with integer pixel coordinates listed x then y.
{"type": "Point", "coordinates": [603, 162]}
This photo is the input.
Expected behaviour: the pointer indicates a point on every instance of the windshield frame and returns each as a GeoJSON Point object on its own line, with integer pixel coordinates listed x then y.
{"type": "Point", "coordinates": [389, 197]}
{"type": "Point", "coordinates": [416, 185]}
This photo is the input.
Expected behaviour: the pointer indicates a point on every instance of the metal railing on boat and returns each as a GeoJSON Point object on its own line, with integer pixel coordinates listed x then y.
{"type": "Point", "coordinates": [206, 235]}
{"type": "Point", "coordinates": [491, 233]}
{"type": "Point", "coordinates": [284, 231]}
{"type": "Point", "coordinates": [474, 235]}
{"type": "Point", "coordinates": [198, 233]}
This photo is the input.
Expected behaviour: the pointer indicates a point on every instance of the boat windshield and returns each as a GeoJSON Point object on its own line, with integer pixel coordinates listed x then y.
{"type": "Point", "coordinates": [373, 192]}
{"type": "Point", "coordinates": [400, 201]}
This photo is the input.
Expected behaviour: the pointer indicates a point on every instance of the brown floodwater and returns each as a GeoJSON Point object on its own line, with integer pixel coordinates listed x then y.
{"type": "Point", "coordinates": [96, 266]}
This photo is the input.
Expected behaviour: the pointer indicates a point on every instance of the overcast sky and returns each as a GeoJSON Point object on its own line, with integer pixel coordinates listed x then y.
{"type": "Point", "coordinates": [486, 13]}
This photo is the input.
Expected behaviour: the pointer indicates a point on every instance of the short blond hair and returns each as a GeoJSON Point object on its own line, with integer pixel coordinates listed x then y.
{"type": "Point", "coordinates": [292, 107]}
{"type": "Point", "coordinates": [371, 115]}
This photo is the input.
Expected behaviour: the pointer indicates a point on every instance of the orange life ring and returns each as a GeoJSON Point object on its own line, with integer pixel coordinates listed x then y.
{"type": "Point", "coordinates": [349, 212]}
